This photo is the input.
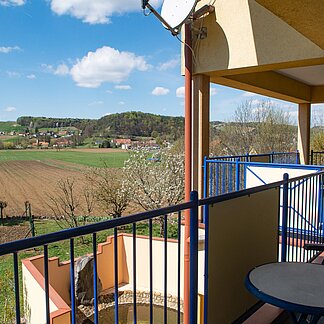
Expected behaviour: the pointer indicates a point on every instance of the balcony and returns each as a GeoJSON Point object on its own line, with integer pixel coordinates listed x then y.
{"type": "Point", "coordinates": [142, 277]}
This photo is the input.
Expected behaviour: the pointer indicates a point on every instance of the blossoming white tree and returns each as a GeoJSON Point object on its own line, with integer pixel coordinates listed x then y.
{"type": "Point", "coordinates": [156, 180]}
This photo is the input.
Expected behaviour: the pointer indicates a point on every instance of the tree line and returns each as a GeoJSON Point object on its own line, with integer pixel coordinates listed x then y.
{"type": "Point", "coordinates": [133, 123]}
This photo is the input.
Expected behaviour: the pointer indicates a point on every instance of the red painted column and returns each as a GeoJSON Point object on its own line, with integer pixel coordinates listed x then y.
{"type": "Point", "coordinates": [188, 149]}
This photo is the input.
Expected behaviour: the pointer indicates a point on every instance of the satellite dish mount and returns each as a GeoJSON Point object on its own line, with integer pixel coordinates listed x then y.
{"type": "Point", "coordinates": [173, 13]}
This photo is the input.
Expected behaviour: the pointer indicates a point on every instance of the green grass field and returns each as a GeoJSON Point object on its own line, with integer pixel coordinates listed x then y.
{"type": "Point", "coordinates": [110, 159]}
{"type": "Point", "coordinates": [10, 127]}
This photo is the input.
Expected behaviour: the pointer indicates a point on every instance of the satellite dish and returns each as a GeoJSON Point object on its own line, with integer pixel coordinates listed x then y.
{"type": "Point", "coordinates": [174, 13]}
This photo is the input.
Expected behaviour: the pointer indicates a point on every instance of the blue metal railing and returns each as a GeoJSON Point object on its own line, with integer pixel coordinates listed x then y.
{"type": "Point", "coordinates": [317, 158]}
{"type": "Point", "coordinates": [294, 233]}
{"type": "Point", "coordinates": [70, 234]}
{"type": "Point", "coordinates": [273, 157]}
{"type": "Point", "coordinates": [224, 176]}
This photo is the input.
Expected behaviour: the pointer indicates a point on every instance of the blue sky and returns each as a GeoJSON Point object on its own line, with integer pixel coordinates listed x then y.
{"type": "Point", "coordinates": [81, 58]}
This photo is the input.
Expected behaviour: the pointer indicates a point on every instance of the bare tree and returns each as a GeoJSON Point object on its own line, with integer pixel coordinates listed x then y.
{"type": "Point", "coordinates": [156, 180]}
{"type": "Point", "coordinates": [65, 202]}
{"type": "Point", "coordinates": [110, 190]}
{"type": "Point", "coordinates": [258, 127]}
{"type": "Point", "coordinates": [89, 202]}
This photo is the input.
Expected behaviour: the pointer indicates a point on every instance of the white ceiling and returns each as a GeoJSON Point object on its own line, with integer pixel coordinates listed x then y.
{"type": "Point", "coordinates": [311, 75]}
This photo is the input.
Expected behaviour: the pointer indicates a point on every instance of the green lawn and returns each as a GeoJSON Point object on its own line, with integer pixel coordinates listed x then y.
{"type": "Point", "coordinates": [111, 159]}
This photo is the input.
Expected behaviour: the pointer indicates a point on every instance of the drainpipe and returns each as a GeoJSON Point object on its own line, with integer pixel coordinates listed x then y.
{"type": "Point", "coordinates": [188, 149]}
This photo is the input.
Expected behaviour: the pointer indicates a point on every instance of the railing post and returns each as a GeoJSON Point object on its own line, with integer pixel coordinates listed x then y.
{"type": "Point", "coordinates": [237, 174]}
{"type": "Point", "coordinates": [284, 227]}
{"type": "Point", "coordinates": [312, 157]}
{"type": "Point", "coordinates": [205, 184]}
{"type": "Point", "coordinates": [193, 257]}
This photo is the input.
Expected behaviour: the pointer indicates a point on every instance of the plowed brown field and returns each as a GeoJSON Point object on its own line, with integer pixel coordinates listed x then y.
{"type": "Point", "coordinates": [33, 181]}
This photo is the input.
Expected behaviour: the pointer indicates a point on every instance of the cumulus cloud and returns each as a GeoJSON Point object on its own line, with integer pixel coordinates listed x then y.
{"type": "Point", "coordinates": [13, 74]}
{"type": "Point", "coordinates": [8, 3]}
{"type": "Point", "coordinates": [123, 87]}
{"type": "Point", "coordinates": [106, 64]}
{"type": "Point", "coordinates": [180, 92]}
{"type": "Point", "coordinates": [31, 76]}
{"type": "Point", "coordinates": [169, 64]}
{"type": "Point", "coordinates": [8, 49]}
{"type": "Point", "coordinates": [160, 91]}
{"type": "Point", "coordinates": [10, 109]}
{"type": "Point", "coordinates": [96, 11]}
{"type": "Point", "coordinates": [62, 69]}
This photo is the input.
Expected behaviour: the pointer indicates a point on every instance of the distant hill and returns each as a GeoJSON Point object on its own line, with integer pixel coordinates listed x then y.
{"type": "Point", "coordinates": [129, 124]}
{"type": "Point", "coordinates": [136, 123]}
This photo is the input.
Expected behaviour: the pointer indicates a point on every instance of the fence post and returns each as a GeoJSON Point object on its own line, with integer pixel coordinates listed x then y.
{"type": "Point", "coordinates": [205, 184]}
{"type": "Point", "coordinates": [193, 257]}
{"type": "Point", "coordinates": [284, 227]}
{"type": "Point", "coordinates": [312, 157]}
{"type": "Point", "coordinates": [237, 174]}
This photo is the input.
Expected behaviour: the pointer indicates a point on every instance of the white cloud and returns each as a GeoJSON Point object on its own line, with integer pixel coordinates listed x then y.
{"type": "Point", "coordinates": [62, 69]}
{"type": "Point", "coordinates": [13, 74]}
{"type": "Point", "coordinates": [160, 91]}
{"type": "Point", "coordinates": [96, 103]}
{"type": "Point", "coordinates": [31, 76]}
{"type": "Point", "coordinates": [10, 109]}
{"type": "Point", "coordinates": [106, 64]}
{"type": "Point", "coordinates": [8, 3]}
{"type": "Point", "coordinates": [213, 91]}
{"type": "Point", "coordinates": [8, 49]}
{"type": "Point", "coordinates": [96, 11]}
{"type": "Point", "coordinates": [169, 64]}
{"type": "Point", "coordinates": [123, 87]}
{"type": "Point", "coordinates": [180, 92]}
{"type": "Point", "coordinates": [249, 94]}
{"type": "Point", "coordinates": [109, 91]}
{"type": "Point", "coordinates": [121, 103]}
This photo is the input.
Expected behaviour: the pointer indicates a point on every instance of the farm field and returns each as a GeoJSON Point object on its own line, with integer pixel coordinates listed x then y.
{"type": "Point", "coordinates": [112, 158]}
{"type": "Point", "coordinates": [32, 175]}
{"type": "Point", "coordinates": [31, 181]}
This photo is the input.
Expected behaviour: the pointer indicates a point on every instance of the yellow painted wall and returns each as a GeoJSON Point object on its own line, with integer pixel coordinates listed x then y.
{"type": "Point", "coordinates": [242, 34]}
{"type": "Point", "coordinates": [34, 299]}
{"type": "Point", "coordinates": [106, 263]}
{"type": "Point", "coordinates": [62, 319]}
{"type": "Point", "coordinates": [243, 233]}
{"type": "Point", "coordinates": [142, 264]}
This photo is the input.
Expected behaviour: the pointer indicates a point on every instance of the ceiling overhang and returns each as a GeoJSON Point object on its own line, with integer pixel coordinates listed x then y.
{"type": "Point", "coordinates": [305, 16]}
